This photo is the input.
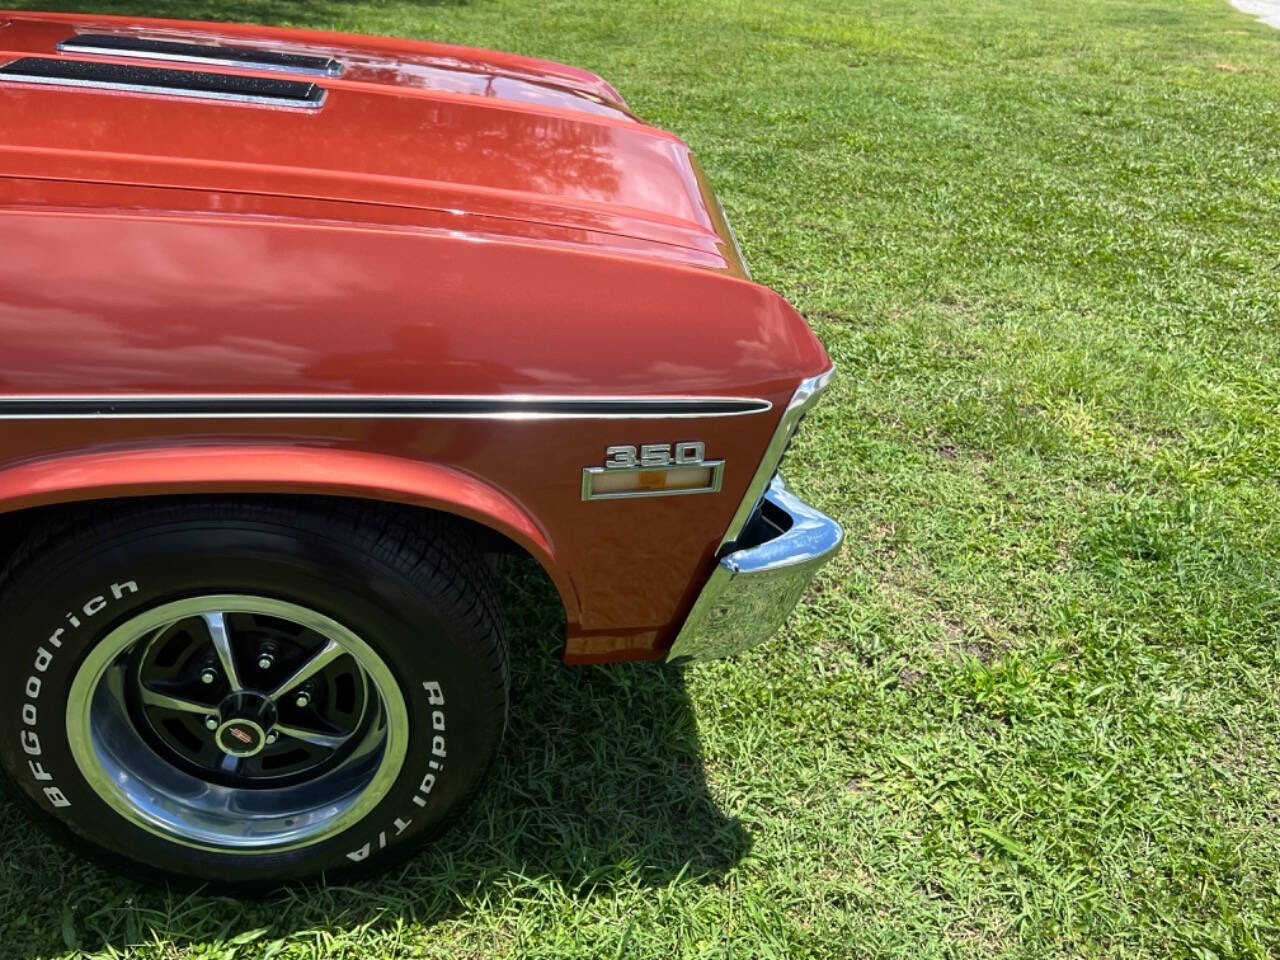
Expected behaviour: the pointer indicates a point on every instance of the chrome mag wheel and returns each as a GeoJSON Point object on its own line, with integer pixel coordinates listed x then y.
{"type": "Point", "coordinates": [237, 723]}
{"type": "Point", "coordinates": [229, 737]}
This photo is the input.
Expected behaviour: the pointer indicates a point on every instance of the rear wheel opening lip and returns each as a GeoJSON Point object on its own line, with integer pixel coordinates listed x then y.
{"type": "Point", "coordinates": [150, 792]}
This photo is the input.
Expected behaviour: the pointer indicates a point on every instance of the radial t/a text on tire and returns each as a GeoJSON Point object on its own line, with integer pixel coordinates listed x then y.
{"type": "Point", "coordinates": [249, 692]}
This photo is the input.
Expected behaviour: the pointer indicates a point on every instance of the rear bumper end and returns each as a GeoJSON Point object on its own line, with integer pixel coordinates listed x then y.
{"type": "Point", "coordinates": [753, 590]}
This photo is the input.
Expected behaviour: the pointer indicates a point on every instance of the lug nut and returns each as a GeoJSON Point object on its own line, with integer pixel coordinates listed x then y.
{"type": "Point", "coordinates": [208, 675]}
{"type": "Point", "coordinates": [272, 737]}
{"type": "Point", "coordinates": [303, 699]}
{"type": "Point", "coordinates": [265, 661]}
{"type": "Point", "coordinates": [211, 723]}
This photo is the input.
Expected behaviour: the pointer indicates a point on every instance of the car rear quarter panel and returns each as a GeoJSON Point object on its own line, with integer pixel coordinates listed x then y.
{"type": "Point", "coordinates": [126, 304]}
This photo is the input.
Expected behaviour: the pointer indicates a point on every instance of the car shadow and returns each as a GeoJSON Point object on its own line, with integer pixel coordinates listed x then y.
{"type": "Point", "coordinates": [600, 782]}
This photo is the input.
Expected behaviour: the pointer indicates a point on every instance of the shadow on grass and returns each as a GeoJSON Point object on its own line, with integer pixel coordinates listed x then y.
{"type": "Point", "coordinates": [600, 784]}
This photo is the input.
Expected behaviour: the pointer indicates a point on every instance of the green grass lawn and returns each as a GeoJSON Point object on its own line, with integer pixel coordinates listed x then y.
{"type": "Point", "coordinates": [1034, 708]}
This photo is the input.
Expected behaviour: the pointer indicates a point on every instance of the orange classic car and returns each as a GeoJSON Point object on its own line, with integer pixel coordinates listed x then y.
{"type": "Point", "coordinates": [297, 328]}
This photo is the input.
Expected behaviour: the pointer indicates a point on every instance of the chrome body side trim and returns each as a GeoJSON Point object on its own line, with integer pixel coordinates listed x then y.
{"type": "Point", "coordinates": [339, 406]}
{"type": "Point", "coordinates": [752, 591]}
{"type": "Point", "coordinates": [802, 400]}
{"type": "Point", "coordinates": [590, 473]}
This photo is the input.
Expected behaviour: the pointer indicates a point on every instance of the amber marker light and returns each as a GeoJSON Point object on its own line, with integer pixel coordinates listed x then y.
{"type": "Point", "coordinates": [603, 483]}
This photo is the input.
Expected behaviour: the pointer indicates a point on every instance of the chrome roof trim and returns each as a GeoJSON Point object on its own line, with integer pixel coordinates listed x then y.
{"type": "Point", "coordinates": [371, 407]}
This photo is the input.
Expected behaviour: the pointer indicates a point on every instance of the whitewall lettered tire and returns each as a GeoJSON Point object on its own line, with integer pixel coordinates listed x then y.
{"type": "Point", "coordinates": [249, 692]}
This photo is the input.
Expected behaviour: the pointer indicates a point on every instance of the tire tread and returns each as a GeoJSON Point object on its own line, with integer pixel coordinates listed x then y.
{"type": "Point", "coordinates": [432, 551]}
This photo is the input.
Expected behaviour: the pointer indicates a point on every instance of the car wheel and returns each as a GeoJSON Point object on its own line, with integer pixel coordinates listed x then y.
{"type": "Point", "coordinates": [249, 692]}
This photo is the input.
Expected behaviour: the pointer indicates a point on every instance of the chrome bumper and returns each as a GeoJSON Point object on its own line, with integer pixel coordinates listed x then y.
{"type": "Point", "coordinates": [752, 591]}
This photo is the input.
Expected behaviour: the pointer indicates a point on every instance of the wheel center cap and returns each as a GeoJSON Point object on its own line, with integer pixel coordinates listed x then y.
{"type": "Point", "coordinates": [246, 717]}
{"type": "Point", "coordinates": [240, 738]}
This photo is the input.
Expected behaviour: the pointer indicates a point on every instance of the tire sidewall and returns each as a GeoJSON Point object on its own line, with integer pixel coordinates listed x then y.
{"type": "Point", "coordinates": [64, 603]}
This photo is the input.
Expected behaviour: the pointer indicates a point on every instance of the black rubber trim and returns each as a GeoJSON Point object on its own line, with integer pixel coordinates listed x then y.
{"type": "Point", "coordinates": [85, 73]}
{"type": "Point", "coordinates": [125, 45]}
{"type": "Point", "coordinates": [195, 407]}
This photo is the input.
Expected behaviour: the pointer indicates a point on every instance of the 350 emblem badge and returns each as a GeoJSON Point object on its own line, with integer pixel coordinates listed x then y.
{"type": "Point", "coordinates": [653, 470]}
{"type": "Point", "coordinates": [688, 453]}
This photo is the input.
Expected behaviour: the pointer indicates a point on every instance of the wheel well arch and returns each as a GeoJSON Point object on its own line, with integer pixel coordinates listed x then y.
{"type": "Point", "coordinates": [35, 492]}
{"type": "Point", "coordinates": [17, 525]}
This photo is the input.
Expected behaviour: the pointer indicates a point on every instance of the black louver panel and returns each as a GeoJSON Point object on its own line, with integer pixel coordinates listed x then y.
{"type": "Point", "coordinates": [184, 83]}
{"type": "Point", "coordinates": [108, 44]}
